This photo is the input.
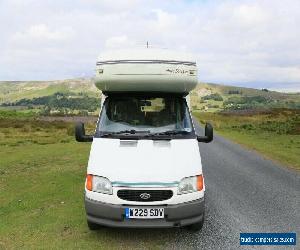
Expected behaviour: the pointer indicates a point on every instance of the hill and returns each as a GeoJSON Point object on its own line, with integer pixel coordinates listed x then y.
{"type": "Point", "coordinates": [71, 93]}
{"type": "Point", "coordinates": [216, 97]}
{"type": "Point", "coordinates": [11, 91]}
{"type": "Point", "coordinates": [64, 97]}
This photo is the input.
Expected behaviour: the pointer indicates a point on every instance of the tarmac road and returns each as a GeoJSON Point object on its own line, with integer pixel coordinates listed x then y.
{"type": "Point", "coordinates": [244, 193]}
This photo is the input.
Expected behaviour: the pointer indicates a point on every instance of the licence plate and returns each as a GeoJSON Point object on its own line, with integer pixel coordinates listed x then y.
{"type": "Point", "coordinates": [144, 213]}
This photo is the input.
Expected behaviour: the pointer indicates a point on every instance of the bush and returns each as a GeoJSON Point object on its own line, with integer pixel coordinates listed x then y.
{"type": "Point", "coordinates": [234, 92]}
{"type": "Point", "coordinates": [214, 96]}
{"type": "Point", "coordinates": [247, 126]}
{"type": "Point", "coordinates": [246, 102]}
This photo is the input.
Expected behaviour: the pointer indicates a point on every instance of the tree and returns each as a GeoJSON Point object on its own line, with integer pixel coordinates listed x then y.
{"type": "Point", "coordinates": [214, 96]}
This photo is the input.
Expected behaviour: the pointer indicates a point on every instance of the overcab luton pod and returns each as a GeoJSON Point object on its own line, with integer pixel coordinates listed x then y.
{"type": "Point", "coordinates": [147, 70]}
{"type": "Point", "coordinates": [144, 168]}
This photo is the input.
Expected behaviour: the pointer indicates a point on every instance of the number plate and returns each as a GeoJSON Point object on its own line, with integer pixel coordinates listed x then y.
{"type": "Point", "coordinates": [144, 213]}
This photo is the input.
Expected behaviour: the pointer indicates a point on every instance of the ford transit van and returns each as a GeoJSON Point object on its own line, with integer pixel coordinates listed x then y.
{"type": "Point", "coordinates": [144, 168]}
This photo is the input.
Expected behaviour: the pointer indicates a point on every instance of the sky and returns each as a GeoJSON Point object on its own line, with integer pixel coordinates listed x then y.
{"type": "Point", "coordinates": [251, 43]}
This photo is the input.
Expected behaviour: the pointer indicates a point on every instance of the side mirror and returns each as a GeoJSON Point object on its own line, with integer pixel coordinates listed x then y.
{"type": "Point", "coordinates": [209, 134]}
{"type": "Point", "coordinates": [80, 133]}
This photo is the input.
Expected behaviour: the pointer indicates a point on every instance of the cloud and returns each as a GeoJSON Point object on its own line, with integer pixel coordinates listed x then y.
{"type": "Point", "coordinates": [118, 42]}
{"type": "Point", "coordinates": [251, 43]}
{"type": "Point", "coordinates": [43, 32]}
{"type": "Point", "coordinates": [250, 14]}
{"type": "Point", "coordinates": [164, 20]}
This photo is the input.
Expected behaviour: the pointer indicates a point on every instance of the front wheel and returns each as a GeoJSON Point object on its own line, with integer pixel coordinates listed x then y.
{"type": "Point", "coordinates": [197, 226]}
{"type": "Point", "coordinates": [93, 226]}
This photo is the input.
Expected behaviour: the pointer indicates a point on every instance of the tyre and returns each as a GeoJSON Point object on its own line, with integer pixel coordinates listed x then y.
{"type": "Point", "coordinates": [93, 226]}
{"type": "Point", "coordinates": [197, 226]}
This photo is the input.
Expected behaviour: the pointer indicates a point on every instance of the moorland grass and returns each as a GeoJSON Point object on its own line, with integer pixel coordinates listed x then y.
{"type": "Point", "coordinates": [42, 174]}
{"type": "Point", "coordinates": [275, 134]}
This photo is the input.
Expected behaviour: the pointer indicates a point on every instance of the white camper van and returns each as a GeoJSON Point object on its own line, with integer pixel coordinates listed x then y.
{"type": "Point", "coordinates": [144, 169]}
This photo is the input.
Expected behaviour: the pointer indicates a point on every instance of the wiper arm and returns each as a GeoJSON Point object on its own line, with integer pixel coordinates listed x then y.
{"type": "Point", "coordinates": [132, 131]}
{"type": "Point", "coordinates": [170, 132]}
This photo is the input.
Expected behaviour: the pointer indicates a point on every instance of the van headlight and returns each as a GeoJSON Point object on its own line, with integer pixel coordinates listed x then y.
{"type": "Point", "coordinates": [190, 184]}
{"type": "Point", "coordinates": [98, 184]}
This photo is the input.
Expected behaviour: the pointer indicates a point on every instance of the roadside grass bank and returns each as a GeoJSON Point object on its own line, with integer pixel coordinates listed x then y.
{"type": "Point", "coordinates": [42, 174]}
{"type": "Point", "coordinates": [275, 133]}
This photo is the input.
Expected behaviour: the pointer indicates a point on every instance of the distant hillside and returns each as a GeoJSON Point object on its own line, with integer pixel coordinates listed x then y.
{"type": "Point", "coordinates": [215, 97]}
{"type": "Point", "coordinates": [14, 91]}
{"type": "Point", "coordinates": [71, 93]}
{"type": "Point", "coordinates": [64, 97]}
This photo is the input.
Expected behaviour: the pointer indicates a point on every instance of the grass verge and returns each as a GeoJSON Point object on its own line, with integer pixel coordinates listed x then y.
{"type": "Point", "coordinates": [275, 134]}
{"type": "Point", "coordinates": [42, 173]}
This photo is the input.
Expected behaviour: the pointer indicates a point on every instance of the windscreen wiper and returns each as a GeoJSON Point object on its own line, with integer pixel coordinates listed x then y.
{"type": "Point", "coordinates": [170, 132]}
{"type": "Point", "coordinates": [131, 132]}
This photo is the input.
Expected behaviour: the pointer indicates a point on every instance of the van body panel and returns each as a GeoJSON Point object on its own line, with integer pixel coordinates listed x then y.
{"type": "Point", "coordinates": [144, 161]}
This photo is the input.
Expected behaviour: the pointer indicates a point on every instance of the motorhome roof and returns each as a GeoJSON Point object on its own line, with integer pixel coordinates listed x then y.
{"type": "Point", "coordinates": [146, 70]}
{"type": "Point", "coordinates": [146, 54]}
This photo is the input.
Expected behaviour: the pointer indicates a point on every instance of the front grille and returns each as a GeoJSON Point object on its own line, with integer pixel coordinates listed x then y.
{"type": "Point", "coordinates": [148, 195]}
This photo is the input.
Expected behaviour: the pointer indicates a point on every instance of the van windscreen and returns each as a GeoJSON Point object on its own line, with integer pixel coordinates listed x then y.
{"type": "Point", "coordinates": [150, 114]}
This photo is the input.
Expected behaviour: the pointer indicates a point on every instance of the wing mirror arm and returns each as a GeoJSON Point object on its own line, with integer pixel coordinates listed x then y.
{"type": "Point", "coordinates": [209, 134]}
{"type": "Point", "coordinates": [80, 133]}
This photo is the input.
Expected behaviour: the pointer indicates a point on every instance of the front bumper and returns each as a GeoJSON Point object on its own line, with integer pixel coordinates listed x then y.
{"type": "Point", "coordinates": [178, 215]}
